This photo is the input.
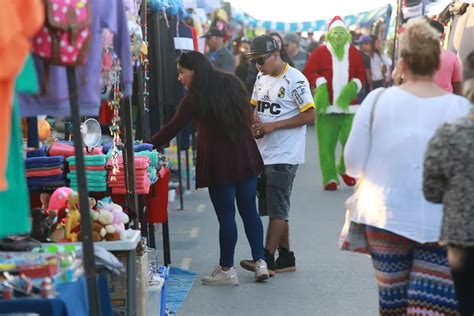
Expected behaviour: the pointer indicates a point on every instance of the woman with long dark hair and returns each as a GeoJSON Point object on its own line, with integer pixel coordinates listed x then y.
{"type": "Point", "coordinates": [228, 159]}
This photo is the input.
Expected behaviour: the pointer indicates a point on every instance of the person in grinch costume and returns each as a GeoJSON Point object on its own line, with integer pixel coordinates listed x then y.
{"type": "Point", "coordinates": [337, 74]}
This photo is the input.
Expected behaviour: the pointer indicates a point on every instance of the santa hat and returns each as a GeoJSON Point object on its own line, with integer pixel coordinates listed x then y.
{"type": "Point", "coordinates": [337, 21]}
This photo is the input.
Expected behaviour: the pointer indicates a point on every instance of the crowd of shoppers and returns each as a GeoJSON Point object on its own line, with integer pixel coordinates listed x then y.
{"type": "Point", "coordinates": [411, 148]}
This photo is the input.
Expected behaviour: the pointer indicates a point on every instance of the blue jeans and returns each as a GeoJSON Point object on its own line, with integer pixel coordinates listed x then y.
{"type": "Point", "coordinates": [223, 198]}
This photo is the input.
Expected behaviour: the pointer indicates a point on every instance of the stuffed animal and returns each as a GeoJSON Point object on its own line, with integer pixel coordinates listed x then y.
{"type": "Point", "coordinates": [106, 218]}
{"type": "Point", "coordinates": [73, 219]}
{"type": "Point", "coordinates": [98, 231]}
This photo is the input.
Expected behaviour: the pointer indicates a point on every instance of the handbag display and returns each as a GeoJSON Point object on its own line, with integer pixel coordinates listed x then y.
{"type": "Point", "coordinates": [352, 237]}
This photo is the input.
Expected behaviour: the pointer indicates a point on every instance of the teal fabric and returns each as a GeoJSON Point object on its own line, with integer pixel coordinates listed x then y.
{"type": "Point", "coordinates": [95, 160]}
{"type": "Point", "coordinates": [15, 202]}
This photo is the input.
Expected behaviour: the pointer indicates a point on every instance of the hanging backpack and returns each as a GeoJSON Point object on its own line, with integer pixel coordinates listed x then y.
{"type": "Point", "coordinates": [65, 37]}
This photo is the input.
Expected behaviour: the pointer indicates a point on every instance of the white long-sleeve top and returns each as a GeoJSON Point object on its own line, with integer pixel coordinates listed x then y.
{"type": "Point", "coordinates": [390, 160]}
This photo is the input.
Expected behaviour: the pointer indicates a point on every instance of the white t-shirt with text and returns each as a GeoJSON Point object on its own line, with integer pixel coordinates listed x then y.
{"type": "Point", "coordinates": [280, 98]}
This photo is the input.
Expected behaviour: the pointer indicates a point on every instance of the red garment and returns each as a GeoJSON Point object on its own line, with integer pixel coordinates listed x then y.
{"type": "Point", "coordinates": [44, 173]}
{"type": "Point", "coordinates": [319, 69]}
{"type": "Point", "coordinates": [91, 168]}
{"type": "Point", "coordinates": [219, 160]}
{"type": "Point", "coordinates": [65, 150]}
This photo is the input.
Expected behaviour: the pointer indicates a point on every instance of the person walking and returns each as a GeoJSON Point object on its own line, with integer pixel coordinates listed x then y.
{"type": "Point", "coordinates": [283, 106]}
{"type": "Point", "coordinates": [219, 55]}
{"type": "Point", "coordinates": [449, 179]}
{"type": "Point", "coordinates": [228, 159]}
{"type": "Point", "coordinates": [449, 75]}
{"type": "Point", "coordinates": [385, 151]}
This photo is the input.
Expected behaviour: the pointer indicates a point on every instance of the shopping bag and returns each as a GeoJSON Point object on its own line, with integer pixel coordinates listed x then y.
{"type": "Point", "coordinates": [352, 237]}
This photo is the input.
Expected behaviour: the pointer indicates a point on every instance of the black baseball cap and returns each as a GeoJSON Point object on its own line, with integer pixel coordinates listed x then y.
{"type": "Point", "coordinates": [213, 31]}
{"type": "Point", "coordinates": [263, 44]}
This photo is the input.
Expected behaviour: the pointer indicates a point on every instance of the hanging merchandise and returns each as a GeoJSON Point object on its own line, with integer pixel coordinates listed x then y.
{"type": "Point", "coordinates": [66, 35]}
{"type": "Point", "coordinates": [18, 22]}
{"type": "Point", "coordinates": [108, 14]}
{"type": "Point", "coordinates": [115, 129]}
{"type": "Point", "coordinates": [15, 206]}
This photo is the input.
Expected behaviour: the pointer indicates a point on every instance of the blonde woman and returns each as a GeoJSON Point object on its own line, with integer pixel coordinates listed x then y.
{"type": "Point", "coordinates": [402, 228]}
{"type": "Point", "coordinates": [449, 179]}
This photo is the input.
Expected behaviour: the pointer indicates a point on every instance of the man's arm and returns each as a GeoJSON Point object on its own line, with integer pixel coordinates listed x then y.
{"type": "Point", "coordinates": [303, 118]}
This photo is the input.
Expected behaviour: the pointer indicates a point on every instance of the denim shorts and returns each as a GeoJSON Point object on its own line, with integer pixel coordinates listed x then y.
{"type": "Point", "coordinates": [274, 190]}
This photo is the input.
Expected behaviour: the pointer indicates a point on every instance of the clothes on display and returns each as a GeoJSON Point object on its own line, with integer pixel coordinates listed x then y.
{"type": "Point", "coordinates": [15, 206]}
{"type": "Point", "coordinates": [18, 21]}
{"type": "Point", "coordinates": [165, 96]}
{"type": "Point", "coordinates": [108, 14]}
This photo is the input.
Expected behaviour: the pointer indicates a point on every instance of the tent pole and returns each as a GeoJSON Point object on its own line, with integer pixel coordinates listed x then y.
{"type": "Point", "coordinates": [86, 226]}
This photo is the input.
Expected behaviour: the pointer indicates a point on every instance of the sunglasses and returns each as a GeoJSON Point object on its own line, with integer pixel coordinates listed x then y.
{"type": "Point", "coordinates": [260, 60]}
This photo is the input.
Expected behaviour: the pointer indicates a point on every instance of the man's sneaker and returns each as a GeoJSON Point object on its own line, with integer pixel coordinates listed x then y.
{"type": "Point", "coordinates": [286, 261]}
{"type": "Point", "coordinates": [270, 260]}
{"type": "Point", "coordinates": [250, 265]}
{"type": "Point", "coordinates": [261, 271]}
{"type": "Point", "coordinates": [221, 277]}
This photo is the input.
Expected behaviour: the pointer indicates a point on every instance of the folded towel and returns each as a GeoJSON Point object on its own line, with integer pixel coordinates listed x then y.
{"type": "Point", "coordinates": [122, 178]}
{"type": "Point", "coordinates": [96, 160]}
{"type": "Point", "coordinates": [66, 150]}
{"type": "Point", "coordinates": [124, 191]}
{"type": "Point", "coordinates": [89, 168]}
{"type": "Point", "coordinates": [153, 155]}
{"type": "Point", "coordinates": [44, 173]}
{"type": "Point", "coordinates": [142, 147]}
{"type": "Point", "coordinates": [46, 168]}
{"type": "Point", "coordinates": [89, 178]}
{"type": "Point", "coordinates": [91, 187]}
{"type": "Point", "coordinates": [58, 177]}
{"type": "Point", "coordinates": [39, 162]}
{"type": "Point", "coordinates": [141, 162]}
{"type": "Point", "coordinates": [41, 152]}
{"type": "Point", "coordinates": [46, 183]}
{"type": "Point", "coordinates": [102, 173]}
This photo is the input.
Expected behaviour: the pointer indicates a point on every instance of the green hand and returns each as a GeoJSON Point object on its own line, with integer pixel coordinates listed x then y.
{"type": "Point", "coordinates": [348, 94]}
{"type": "Point", "coordinates": [321, 98]}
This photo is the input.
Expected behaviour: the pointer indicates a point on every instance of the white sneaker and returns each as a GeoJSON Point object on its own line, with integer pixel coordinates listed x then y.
{"type": "Point", "coordinates": [261, 270]}
{"type": "Point", "coordinates": [221, 277]}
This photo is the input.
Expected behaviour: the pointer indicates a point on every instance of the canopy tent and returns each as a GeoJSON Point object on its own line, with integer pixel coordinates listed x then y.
{"type": "Point", "coordinates": [361, 19]}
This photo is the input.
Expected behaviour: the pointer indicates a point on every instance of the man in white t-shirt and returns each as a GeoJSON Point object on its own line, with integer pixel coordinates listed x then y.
{"type": "Point", "coordinates": [283, 106]}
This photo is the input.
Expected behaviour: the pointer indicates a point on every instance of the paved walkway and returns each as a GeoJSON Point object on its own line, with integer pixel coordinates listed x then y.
{"type": "Point", "coordinates": [327, 281]}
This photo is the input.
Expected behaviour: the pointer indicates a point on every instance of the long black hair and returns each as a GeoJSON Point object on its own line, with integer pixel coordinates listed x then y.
{"type": "Point", "coordinates": [221, 98]}
{"type": "Point", "coordinates": [283, 53]}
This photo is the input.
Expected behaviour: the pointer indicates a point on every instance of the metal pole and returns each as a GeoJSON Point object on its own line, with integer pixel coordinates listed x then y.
{"type": "Point", "coordinates": [180, 171]}
{"type": "Point", "coordinates": [86, 226]}
{"type": "Point", "coordinates": [129, 161]}
{"type": "Point", "coordinates": [166, 244]}
{"type": "Point", "coordinates": [188, 177]}
{"type": "Point", "coordinates": [397, 26]}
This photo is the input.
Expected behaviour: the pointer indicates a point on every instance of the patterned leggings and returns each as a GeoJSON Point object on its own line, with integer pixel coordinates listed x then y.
{"type": "Point", "coordinates": [413, 278]}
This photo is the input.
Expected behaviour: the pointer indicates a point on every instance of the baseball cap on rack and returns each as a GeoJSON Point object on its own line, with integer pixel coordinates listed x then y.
{"type": "Point", "coordinates": [213, 31]}
{"type": "Point", "coordinates": [263, 44]}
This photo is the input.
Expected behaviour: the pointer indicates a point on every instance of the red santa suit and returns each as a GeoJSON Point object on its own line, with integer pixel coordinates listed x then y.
{"type": "Point", "coordinates": [324, 67]}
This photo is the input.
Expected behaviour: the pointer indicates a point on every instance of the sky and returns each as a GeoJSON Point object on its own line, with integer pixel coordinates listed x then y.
{"type": "Point", "coordinates": [304, 10]}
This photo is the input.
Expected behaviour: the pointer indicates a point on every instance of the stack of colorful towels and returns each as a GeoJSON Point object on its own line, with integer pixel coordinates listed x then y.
{"type": "Point", "coordinates": [96, 174]}
{"type": "Point", "coordinates": [45, 172]}
{"type": "Point", "coordinates": [142, 178]}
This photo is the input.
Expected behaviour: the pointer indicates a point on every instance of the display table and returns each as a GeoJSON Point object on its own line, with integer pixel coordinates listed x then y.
{"type": "Point", "coordinates": [129, 246]}
{"type": "Point", "coordinates": [72, 300]}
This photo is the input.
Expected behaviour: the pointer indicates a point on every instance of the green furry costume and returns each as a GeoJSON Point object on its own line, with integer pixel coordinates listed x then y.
{"type": "Point", "coordinates": [337, 72]}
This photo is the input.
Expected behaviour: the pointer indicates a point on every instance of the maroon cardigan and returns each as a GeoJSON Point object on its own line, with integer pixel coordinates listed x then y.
{"type": "Point", "coordinates": [219, 160]}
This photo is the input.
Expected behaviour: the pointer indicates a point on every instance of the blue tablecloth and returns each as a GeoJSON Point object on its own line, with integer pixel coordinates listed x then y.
{"type": "Point", "coordinates": [71, 301]}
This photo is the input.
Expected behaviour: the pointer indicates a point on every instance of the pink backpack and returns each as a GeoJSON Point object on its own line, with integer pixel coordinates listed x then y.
{"type": "Point", "coordinates": [65, 37]}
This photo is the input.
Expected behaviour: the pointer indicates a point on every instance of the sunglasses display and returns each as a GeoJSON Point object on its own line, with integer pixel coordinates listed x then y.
{"type": "Point", "coordinates": [260, 60]}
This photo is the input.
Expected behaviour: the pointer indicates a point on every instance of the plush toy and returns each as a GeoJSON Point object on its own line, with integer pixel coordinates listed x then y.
{"type": "Point", "coordinates": [106, 218]}
{"type": "Point", "coordinates": [73, 219]}
{"type": "Point", "coordinates": [119, 218]}
{"type": "Point", "coordinates": [337, 73]}
{"type": "Point", "coordinates": [98, 231]}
